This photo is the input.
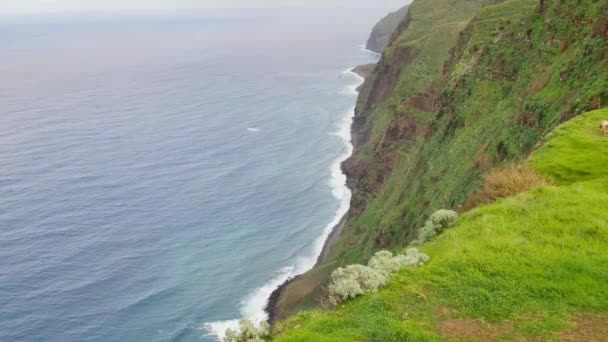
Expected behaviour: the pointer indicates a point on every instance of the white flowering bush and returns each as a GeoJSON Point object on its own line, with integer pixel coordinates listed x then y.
{"type": "Point", "coordinates": [414, 258]}
{"type": "Point", "coordinates": [354, 280]}
{"type": "Point", "coordinates": [439, 221]}
{"type": "Point", "coordinates": [385, 263]}
{"type": "Point", "coordinates": [248, 332]}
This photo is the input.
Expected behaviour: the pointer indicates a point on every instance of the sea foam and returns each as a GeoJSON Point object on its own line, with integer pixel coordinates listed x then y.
{"type": "Point", "coordinates": [253, 306]}
{"type": "Point", "coordinates": [365, 49]}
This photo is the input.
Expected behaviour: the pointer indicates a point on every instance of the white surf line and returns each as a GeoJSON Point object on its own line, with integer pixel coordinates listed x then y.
{"type": "Point", "coordinates": [365, 49]}
{"type": "Point", "coordinates": [253, 306]}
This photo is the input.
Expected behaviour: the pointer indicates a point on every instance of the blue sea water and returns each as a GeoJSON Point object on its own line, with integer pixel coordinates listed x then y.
{"type": "Point", "coordinates": [161, 173]}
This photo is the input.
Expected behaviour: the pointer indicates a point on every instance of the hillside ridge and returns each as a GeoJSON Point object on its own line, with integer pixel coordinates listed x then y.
{"type": "Point", "coordinates": [464, 88]}
{"type": "Point", "coordinates": [529, 267]}
{"type": "Point", "coordinates": [380, 37]}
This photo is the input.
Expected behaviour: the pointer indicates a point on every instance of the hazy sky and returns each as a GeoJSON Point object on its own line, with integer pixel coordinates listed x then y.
{"type": "Point", "coordinates": [105, 5]}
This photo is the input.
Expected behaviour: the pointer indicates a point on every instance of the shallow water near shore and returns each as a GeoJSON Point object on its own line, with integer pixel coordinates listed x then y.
{"type": "Point", "coordinates": [160, 175]}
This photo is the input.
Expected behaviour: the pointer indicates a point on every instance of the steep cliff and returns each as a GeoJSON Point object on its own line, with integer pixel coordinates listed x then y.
{"type": "Point", "coordinates": [465, 87]}
{"type": "Point", "coordinates": [528, 268]}
{"type": "Point", "coordinates": [381, 34]}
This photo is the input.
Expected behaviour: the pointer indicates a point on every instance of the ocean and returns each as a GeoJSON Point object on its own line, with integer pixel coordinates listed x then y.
{"type": "Point", "coordinates": [162, 173]}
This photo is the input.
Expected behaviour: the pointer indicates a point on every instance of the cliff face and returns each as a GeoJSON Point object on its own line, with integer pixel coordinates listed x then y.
{"type": "Point", "coordinates": [465, 86]}
{"type": "Point", "coordinates": [381, 34]}
{"type": "Point", "coordinates": [531, 267]}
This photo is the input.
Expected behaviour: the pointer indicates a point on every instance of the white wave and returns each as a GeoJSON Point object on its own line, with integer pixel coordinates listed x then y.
{"type": "Point", "coordinates": [346, 71]}
{"type": "Point", "coordinates": [253, 305]}
{"type": "Point", "coordinates": [352, 89]}
{"type": "Point", "coordinates": [349, 91]}
{"type": "Point", "coordinates": [218, 329]}
{"type": "Point", "coordinates": [365, 49]}
{"type": "Point", "coordinates": [250, 129]}
{"type": "Point", "coordinates": [337, 183]}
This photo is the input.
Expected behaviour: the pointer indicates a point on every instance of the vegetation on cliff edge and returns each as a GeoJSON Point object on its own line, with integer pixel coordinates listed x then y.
{"type": "Point", "coordinates": [534, 266]}
{"type": "Point", "coordinates": [466, 87]}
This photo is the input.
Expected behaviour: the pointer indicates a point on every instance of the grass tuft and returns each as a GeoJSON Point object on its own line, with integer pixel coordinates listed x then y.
{"type": "Point", "coordinates": [506, 182]}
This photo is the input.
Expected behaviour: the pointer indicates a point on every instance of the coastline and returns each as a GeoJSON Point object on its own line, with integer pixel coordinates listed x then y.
{"type": "Point", "coordinates": [263, 303]}
{"type": "Point", "coordinates": [272, 305]}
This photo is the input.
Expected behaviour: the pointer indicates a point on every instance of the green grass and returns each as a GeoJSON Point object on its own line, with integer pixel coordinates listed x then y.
{"type": "Point", "coordinates": [501, 94]}
{"type": "Point", "coordinates": [485, 84]}
{"type": "Point", "coordinates": [520, 268]}
{"type": "Point", "coordinates": [576, 151]}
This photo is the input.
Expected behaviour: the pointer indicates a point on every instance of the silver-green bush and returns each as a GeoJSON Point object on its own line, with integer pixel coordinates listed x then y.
{"type": "Point", "coordinates": [248, 332]}
{"type": "Point", "coordinates": [385, 263]}
{"type": "Point", "coordinates": [437, 222]}
{"type": "Point", "coordinates": [354, 280]}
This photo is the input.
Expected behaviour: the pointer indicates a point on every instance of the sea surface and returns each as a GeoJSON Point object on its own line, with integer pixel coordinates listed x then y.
{"type": "Point", "coordinates": [162, 173]}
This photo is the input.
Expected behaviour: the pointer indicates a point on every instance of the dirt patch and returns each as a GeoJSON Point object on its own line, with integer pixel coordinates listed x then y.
{"type": "Point", "coordinates": [425, 101]}
{"type": "Point", "coordinates": [588, 328]}
{"type": "Point", "coordinates": [387, 76]}
{"type": "Point", "coordinates": [474, 330]}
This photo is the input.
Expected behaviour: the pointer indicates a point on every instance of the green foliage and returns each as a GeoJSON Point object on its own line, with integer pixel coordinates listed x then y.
{"type": "Point", "coordinates": [499, 96]}
{"type": "Point", "coordinates": [520, 269]}
{"type": "Point", "coordinates": [477, 85]}
{"type": "Point", "coordinates": [248, 332]}
{"type": "Point", "coordinates": [440, 220]}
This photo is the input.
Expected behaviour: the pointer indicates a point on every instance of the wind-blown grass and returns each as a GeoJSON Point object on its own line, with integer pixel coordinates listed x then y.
{"type": "Point", "coordinates": [505, 182]}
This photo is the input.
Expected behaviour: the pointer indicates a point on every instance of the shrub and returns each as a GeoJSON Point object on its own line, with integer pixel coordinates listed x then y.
{"type": "Point", "coordinates": [506, 182]}
{"type": "Point", "coordinates": [248, 332]}
{"type": "Point", "coordinates": [354, 280]}
{"type": "Point", "coordinates": [413, 257]}
{"type": "Point", "coordinates": [437, 222]}
{"type": "Point", "coordinates": [385, 263]}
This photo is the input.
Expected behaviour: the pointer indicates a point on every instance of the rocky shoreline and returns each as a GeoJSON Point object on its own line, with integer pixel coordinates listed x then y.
{"type": "Point", "coordinates": [272, 306]}
{"type": "Point", "coordinates": [364, 70]}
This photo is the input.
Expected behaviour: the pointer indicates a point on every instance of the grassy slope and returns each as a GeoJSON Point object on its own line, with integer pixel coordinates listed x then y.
{"type": "Point", "coordinates": [514, 74]}
{"type": "Point", "coordinates": [524, 267]}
